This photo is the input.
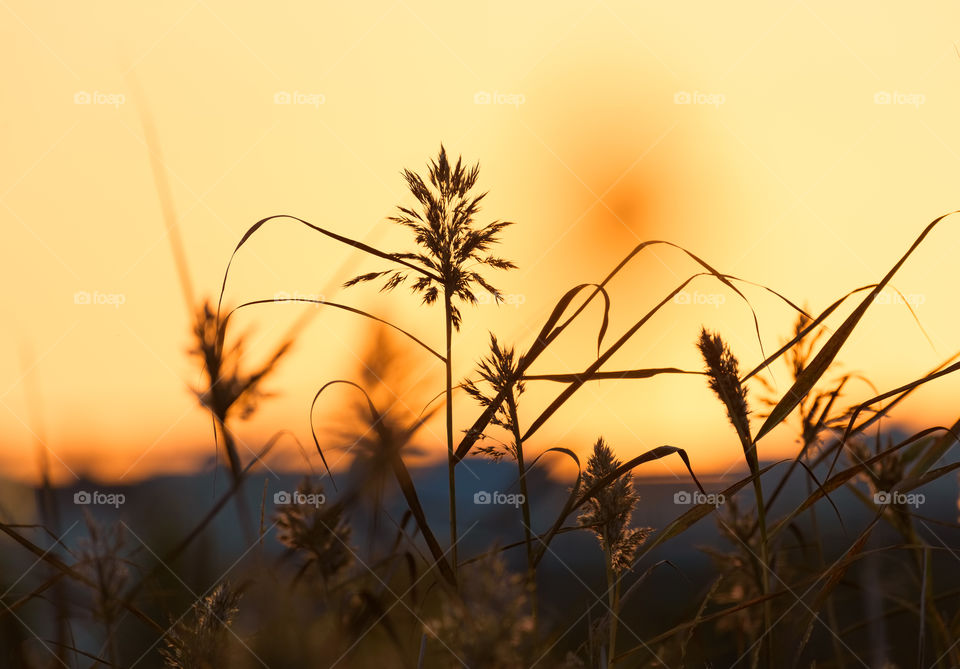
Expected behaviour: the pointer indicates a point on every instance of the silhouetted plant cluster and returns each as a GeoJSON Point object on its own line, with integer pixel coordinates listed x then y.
{"type": "Point", "coordinates": [390, 592]}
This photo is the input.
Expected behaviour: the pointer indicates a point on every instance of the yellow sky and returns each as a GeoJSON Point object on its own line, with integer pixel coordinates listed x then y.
{"type": "Point", "coordinates": [802, 145]}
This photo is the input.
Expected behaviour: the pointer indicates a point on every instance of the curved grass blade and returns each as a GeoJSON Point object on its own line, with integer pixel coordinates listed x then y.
{"type": "Point", "coordinates": [595, 367]}
{"type": "Point", "coordinates": [577, 500]}
{"type": "Point", "coordinates": [804, 332]}
{"type": "Point", "coordinates": [937, 451]}
{"type": "Point", "coordinates": [392, 257]}
{"type": "Point", "coordinates": [548, 333]}
{"type": "Point", "coordinates": [699, 512]}
{"type": "Point", "coordinates": [600, 376]}
{"type": "Point", "coordinates": [345, 307]}
{"type": "Point", "coordinates": [844, 476]}
{"type": "Point", "coordinates": [403, 480]}
{"type": "Point", "coordinates": [551, 330]}
{"type": "Point", "coordinates": [568, 506]}
{"type": "Point", "coordinates": [825, 356]}
{"type": "Point", "coordinates": [51, 559]}
{"type": "Point", "coordinates": [879, 398]}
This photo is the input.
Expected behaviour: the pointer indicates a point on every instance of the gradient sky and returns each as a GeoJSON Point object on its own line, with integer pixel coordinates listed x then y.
{"type": "Point", "coordinates": [801, 145]}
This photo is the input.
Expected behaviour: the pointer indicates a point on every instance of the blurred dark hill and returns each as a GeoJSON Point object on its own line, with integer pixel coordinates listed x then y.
{"type": "Point", "coordinates": [158, 513]}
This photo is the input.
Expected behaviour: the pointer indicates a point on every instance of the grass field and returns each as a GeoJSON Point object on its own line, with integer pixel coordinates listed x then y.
{"type": "Point", "coordinates": [840, 556]}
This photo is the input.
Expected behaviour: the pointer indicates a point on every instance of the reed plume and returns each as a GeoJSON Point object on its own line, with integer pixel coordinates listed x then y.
{"type": "Point", "coordinates": [608, 514]}
{"type": "Point", "coordinates": [316, 531]}
{"type": "Point", "coordinates": [723, 374]}
{"type": "Point", "coordinates": [451, 246]}
{"type": "Point", "coordinates": [487, 626]}
{"type": "Point", "coordinates": [196, 641]}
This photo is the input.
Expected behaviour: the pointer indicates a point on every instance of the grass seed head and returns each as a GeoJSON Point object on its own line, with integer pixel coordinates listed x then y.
{"type": "Point", "coordinates": [489, 626]}
{"type": "Point", "coordinates": [608, 513]}
{"type": "Point", "coordinates": [318, 532]}
{"type": "Point", "coordinates": [723, 372]}
{"type": "Point", "coordinates": [497, 372]}
{"type": "Point", "coordinates": [451, 243]}
{"type": "Point", "coordinates": [230, 389]}
{"type": "Point", "coordinates": [197, 640]}
{"type": "Point", "coordinates": [100, 559]}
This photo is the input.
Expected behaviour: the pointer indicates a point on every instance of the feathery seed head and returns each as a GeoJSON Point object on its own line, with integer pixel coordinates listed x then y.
{"type": "Point", "coordinates": [497, 372]}
{"type": "Point", "coordinates": [196, 641]}
{"type": "Point", "coordinates": [318, 532]}
{"type": "Point", "coordinates": [488, 625]}
{"type": "Point", "coordinates": [101, 560]}
{"type": "Point", "coordinates": [450, 241]}
{"type": "Point", "coordinates": [608, 513]}
{"type": "Point", "coordinates": [724, 379]}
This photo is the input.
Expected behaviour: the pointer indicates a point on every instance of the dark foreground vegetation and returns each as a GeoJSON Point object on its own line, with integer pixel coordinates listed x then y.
{"type": "Point", "coordinates": [842, 556]}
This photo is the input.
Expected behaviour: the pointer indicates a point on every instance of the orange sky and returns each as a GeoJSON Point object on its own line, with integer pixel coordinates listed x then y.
{"type": "Point", "coordinates": [802, 145]}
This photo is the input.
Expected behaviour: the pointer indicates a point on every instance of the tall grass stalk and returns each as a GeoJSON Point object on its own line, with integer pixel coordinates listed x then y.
{"type": "Point", "coordinates": [450, 245]}
{"type": "Point", "coordinates": [723, 373]}
{"type": "Point", "coordinates": [451, 460]}
{"type": "Point", "coordinates": [499, 370]}
{"type": "Point", "coordinates": [608, 514]}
